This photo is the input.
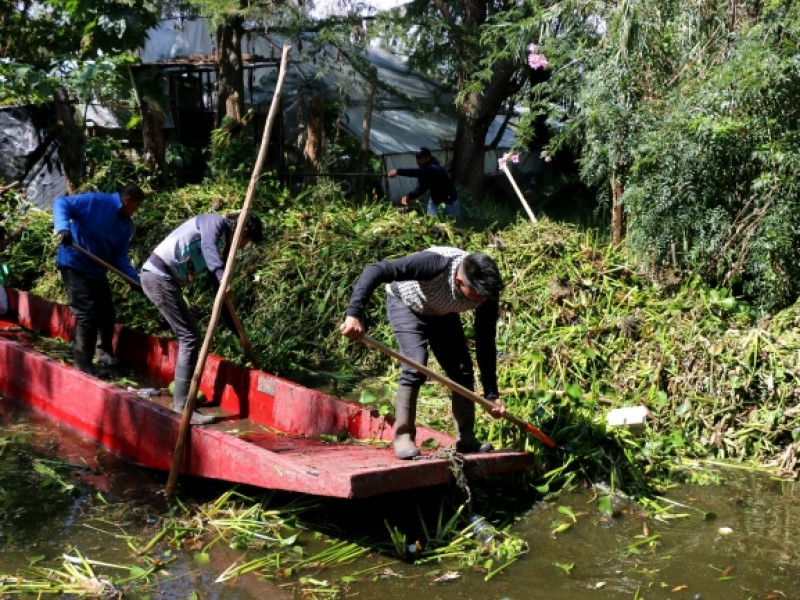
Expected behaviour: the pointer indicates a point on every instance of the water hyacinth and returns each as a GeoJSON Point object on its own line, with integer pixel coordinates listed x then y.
{"type": "Point", "coordinates": [536, 59]}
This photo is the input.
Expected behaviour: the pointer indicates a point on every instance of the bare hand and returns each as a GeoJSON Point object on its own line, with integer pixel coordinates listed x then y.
{"type": "Point", "coordinates": [404, 200]}
{"type": "Point", "coordinates": [392, 174]}
{"type": "Point", "coordinates": [352, 328]}
{"type": "Point", "coordinates": [499, 409]}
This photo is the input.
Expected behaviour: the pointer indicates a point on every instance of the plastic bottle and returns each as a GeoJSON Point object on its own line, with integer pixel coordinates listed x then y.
{"type": "Point", "coordinates": [482, 530]}
{"type": "Point", "coordinates": [145, 392]}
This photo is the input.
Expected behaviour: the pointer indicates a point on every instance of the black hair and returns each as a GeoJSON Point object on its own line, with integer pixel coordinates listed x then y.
{"type": "Point", "coordinates": [253, 227]}
{"type": "Point", "coordinates": [423, 152]}
{"type": "Point", "coordinates": [480, 272]}
{"type": "Point", "coordinates": [132, 192]}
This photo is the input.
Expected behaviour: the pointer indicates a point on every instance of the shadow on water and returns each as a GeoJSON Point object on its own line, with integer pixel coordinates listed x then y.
{"type": "Point", "coordinates": [59, 492]}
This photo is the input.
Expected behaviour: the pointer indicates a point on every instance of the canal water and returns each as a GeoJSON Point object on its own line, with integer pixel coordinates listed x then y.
{"type": "Point", "coordinates": [736, 540]}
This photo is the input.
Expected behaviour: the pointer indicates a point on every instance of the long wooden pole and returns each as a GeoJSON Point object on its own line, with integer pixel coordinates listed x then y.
{"type": "Point", "coordinates": [183, 431]}
{"type": "Point", "coordinates": [521, 197]}
{"type": "Point", "coordinates": [457, 388]}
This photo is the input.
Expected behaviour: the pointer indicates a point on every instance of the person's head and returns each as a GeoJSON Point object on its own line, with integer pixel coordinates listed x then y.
{"type": "Point", "coordinates": [478, 277]}
{"type": "Point", "coordinates": [423, 156]}
{"type": "Point", "coordinates": [132, 197]}
{"type": "Point", "coordinates": [253, 230]}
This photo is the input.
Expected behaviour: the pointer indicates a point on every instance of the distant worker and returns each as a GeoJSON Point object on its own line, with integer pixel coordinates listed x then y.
{"type": "Point", "coordinates": [431, 177]}
{"type": "Point", "coordinates": [200, 245]}
{"type": "Point", "coordinates": [100, 223]}
{"type": "Point", "coordinates": [425, 292]}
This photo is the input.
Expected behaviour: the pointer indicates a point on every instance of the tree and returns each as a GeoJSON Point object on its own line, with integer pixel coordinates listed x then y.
{"type": "Point", "coordinates": [483, 49]}
{"type": "Point", "coordinates": [79, 45]}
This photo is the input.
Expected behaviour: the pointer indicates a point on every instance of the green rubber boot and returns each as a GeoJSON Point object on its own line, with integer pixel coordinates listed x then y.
{"type": "Point", "coordinates": [464, 420]}
{"type": "Point", "coordinates": [405, 430]}
{"type": "Point", "coordinates": [183, 380]}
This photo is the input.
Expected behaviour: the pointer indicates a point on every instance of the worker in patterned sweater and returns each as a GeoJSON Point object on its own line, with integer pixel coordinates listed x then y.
{"type": "Point", "coordinates": [425, 294]}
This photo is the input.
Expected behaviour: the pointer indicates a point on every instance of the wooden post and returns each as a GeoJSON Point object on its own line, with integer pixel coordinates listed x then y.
{"type": "Point", "coordinates": [191, 399]}
{"type": "Point", "coordinates": [366, 126]}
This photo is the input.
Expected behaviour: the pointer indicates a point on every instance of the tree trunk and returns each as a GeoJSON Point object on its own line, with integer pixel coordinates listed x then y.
{"type": "Point", "coordinates": [315, 136]}
{"type": "Point", "coordinates": [475, 116]}
{"type": "Point", "coordinates": [153, 135]}
{"type": "Point", "coordinates": [363, 150]}
{"type": "Point", "coordinates": [616, 208]}
{"type": "Point", "coordinates": [69, 138]}
{"type": "Point", "coordinates": [230, 74]}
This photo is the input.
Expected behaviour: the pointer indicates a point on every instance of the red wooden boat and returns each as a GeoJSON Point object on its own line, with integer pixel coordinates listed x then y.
{"type": "Point", "coordinates": [272, 433]}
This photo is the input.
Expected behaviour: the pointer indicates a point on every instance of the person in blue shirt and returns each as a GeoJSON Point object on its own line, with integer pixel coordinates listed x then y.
{"type": "Point", "coordinates": [100, 223]}
{"type": "Point", "coordinates": [199, 246]}
{"type": "Point", "coordinates": [432, 178]}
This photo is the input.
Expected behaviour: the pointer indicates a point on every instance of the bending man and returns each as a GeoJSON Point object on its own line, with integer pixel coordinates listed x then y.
{"type": "Point", "coordinates": [425, 292]}
{"type": "Point", "coordinates": [101, 224]}
{"type": "Point", "coordinates": [200, 245]}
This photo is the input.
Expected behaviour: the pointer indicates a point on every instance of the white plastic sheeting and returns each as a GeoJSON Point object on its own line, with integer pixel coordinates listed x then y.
{"type": "Point", "coordinates": [176, 38]}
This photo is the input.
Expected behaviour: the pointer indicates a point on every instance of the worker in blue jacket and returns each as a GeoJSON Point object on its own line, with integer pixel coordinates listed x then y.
{"type": "Point", "coordinates": [100, 223]}
{"type": "Point", "coordinates": [432, 178]}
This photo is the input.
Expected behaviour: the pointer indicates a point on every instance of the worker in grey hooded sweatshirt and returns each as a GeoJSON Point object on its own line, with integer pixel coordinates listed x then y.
{"type": "Point", "coordinates": [425, 294]}
{"type": "Point", "coordinates": [200, 245]}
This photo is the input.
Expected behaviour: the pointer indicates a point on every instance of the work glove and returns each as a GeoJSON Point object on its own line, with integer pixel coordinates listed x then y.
{"type": "Point", "coordinates": [66, 237]}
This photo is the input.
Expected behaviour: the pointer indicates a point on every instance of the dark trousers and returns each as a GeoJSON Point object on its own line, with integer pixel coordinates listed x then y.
{"type": "Point", "coordinates": [445, 336]}
{"type": "Point", "coordinates": [91, 303]}
{"type": "Point", "coordinates": [166, 294]}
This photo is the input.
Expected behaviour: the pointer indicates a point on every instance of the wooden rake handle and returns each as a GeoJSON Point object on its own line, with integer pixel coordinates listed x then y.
{"type": "Point", "coordinates": [457, 388]}
{"type": "Point", "coordinates": [103, 263]}
{"type": "Point", "coordinates": [245, 343]}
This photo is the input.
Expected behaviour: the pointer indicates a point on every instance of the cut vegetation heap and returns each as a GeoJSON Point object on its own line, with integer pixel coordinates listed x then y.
{"type": "Point", "coordinates": [583, 329]}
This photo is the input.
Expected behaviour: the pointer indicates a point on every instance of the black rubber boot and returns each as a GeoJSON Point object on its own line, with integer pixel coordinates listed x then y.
{"type": "Point", "coordinates": [183, 379]}
{"type": "Point", "coordinates": [464, 420]}
{"type": "Point", "coordinates": [82, 352]}
{"type": "Point", "coordinates": [405, 430]}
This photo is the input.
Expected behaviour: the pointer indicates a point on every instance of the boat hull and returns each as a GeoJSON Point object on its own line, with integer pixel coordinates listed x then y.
{"type": "Point", "coordinates": [272, 433]}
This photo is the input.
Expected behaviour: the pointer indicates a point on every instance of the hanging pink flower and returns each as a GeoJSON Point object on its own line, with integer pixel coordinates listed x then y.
{"type": "Point", "coordinates": [506, 158]}
{"type": "Point", "coordinates": [536, 60]}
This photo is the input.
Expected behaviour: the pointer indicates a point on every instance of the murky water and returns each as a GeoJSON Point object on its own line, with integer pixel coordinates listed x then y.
{"type": "Point", "coordinates": [747, 550]}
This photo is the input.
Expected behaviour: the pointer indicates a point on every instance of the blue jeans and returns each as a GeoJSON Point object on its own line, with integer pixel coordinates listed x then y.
{"type": "Point", "coordinates": [452, 210]}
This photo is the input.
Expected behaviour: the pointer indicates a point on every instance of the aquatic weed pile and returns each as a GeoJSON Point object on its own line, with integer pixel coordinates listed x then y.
{"type": "Point", "coordinates": [583, 329]}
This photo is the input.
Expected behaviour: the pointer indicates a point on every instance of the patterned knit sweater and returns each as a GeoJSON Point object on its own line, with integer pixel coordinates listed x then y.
{"type": "Point", "coordinates": [425, 282]}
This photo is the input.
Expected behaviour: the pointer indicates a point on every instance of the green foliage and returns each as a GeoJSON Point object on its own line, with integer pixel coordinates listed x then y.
{"type": "Point", "coordinates": [109, 166]}
{"type": "Point", "coordinates": [693, 114]}
{"type": "Point", "coordinates": [232, 149]}
{"type": "Point", "coordinates": [77, 44]}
